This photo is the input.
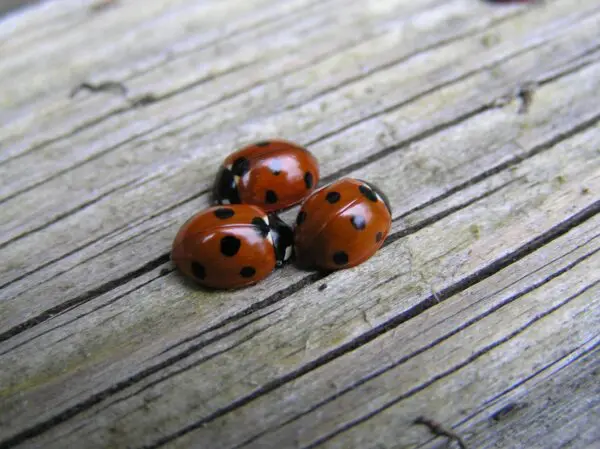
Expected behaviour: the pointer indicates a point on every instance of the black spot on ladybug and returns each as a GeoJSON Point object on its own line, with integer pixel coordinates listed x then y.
{"type": "Point", "coordinates": [368, 193]}
{"type": "Point", "coordinates": [247, 272]}
{"type": "Point", "coordinates": [270, 197]}
{"type": "Point", "coordinates": [275, 166]}
{"type": "Point", "coordinates": [308, 179]}
{"type": "Point", "coordinates": [333, 197]}
{"type": "Point", "coordinates": [301, 217]}
{"type": "Point", "coordinates": [378, 237]}
{"type": "Point", "coordinates": [224, 213]}
{"type": "Point", "coordinates": [261, 226]}
{"type": "Point", "coordinates": [359, 222]}
{"type": "Point", "coordinates": [240, 166]}
{"type": "Point", "coordinates": [198, 270]}
{"type": "Point", "coordinates": [340, 258]}
{"type": "Point", "coordinates": [264, 143]}
{"type": "Point", "coordinates": [230, 245]}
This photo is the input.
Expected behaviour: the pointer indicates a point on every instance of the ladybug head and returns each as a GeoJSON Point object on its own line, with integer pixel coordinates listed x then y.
{"type": "Point", "coordinates": [283, 239]}
{"type": "Point", "coordinates": [225, 189]}
{"type": "Point", "coordinates": [368, 189]}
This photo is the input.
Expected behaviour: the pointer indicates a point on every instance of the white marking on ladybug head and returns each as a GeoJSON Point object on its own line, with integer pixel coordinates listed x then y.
{"type": "Point", "coordinates": [288, 253]}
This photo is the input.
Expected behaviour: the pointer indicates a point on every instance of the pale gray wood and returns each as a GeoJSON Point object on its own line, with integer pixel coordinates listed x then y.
{"type": "Point", "coordinates": [559, 408]}
{"type": "Point", "coordinates": [98, 224]}
{"type": "Point", "coordinates": [487, 285]}
{"type": "Point", "coordinates": [442, 250]}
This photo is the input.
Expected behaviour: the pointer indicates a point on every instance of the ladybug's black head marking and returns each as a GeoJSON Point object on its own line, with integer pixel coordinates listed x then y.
{"type": "Point", "coordinates": [261, 226]}
{"type": "Point", "coordinates": [240, 167]}
{"type": "Point", "coordinates": [283, 239]}
{"type": "Point", "coordinates": [373, 193]}
{"type": "Point", "coordinates": [225, 189]}
{"type": "Point", "coordinates": [300, 218]}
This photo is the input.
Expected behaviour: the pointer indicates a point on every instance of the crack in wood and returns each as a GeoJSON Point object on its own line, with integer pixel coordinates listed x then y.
{"type": "Point", "coordinates": [277, 296]}
{"type": "Point", "coordinates": [183, 89]}
{"type": "Point", "coordinates": [194, 349]}
{"type": "Point", "coordinates": [87, 296]}
{"type": "Point", "coordinates": [359, 164]}
{"type": "Point", "coordinates": [439, 430]}
{"type": "Point", "coordinates": [581, 352]}
{"type": "Point", "coordinates": [282, 294]}
{"type": "Point", "coordinates": [342, 172]}
{"type": "Point", "coordinates": [468, 281]}
{"type": "Point", "coordinates": [121, 110]}
{"type": "Point", "coordinates": [561, 136]}
{"type": "Point", "coordinates": [513, 407]}
{"type": "Point", "coordinates": [388, 65]}
{"type": "Point", "coordinates": [431, 345]}
{"type": "Point", "coordinates": [62, 216]}
{"type": "Point", "coordinates": [436, 378]}
{"type": "Point", "coordinates": [98, 120]}
{"type": "Point", "coordinates": [105, 86]}
{"type": "Point", "coordinates": [113, 232]}
{"type": "Point", "coordinates": [72, 320]}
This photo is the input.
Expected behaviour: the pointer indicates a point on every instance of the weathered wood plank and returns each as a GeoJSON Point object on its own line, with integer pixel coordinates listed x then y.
{"type": "Point", "coordinates": [58, 158]}
{"type": "Point", "coordinates": [558, 407]}
{"type": "Point", "coordinates": [79, 230]}
{"type": "Point", "coordinates": [82, 27]}
{"type": "Point", "coordinates": [486, 290]}
{"type": "Point", "coordinates": [536, 192]}
{"type": "Point", "coordinates": [201, 60]}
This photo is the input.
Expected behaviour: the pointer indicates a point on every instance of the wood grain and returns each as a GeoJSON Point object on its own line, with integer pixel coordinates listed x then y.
{"type": "Point", "coordinates": [480, 312]}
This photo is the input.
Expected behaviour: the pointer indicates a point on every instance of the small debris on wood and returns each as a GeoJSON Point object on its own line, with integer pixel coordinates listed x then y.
{"type": "Point", "coordinates": [107, 86]}
{"type": "Point", "coordinates": [322, 287]}
{"type": "Point", "coordinates": [507, 410]}
{"type": "Point", "coordinates": [438, 430]}
{"type": "Point", "coordinates": [585, 190]}
{"type": "Point", "coordinates": [525, 94]}
{"type": "Point", "coordinates": [143, 100]}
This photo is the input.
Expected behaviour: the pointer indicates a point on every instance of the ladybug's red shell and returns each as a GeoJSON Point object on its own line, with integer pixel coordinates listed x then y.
{"type": "Point", "coordinates": [273, 175]}
{"type": "Point", "coordinates": [227, 247]}
{"type": "Point", "coordinates": [341, 225]}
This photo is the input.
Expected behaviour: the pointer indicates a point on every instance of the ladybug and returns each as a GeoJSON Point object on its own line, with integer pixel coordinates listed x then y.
{"type": "Point", "coordinates": [273, 175]}
{"type": "Point", "coordinates": [341, 225]}
{"type": "Point", "coordinates": [231, 247]}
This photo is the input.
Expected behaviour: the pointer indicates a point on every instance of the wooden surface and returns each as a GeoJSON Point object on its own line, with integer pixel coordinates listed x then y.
{"type": "Point", "coordinates": [481, 312]}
